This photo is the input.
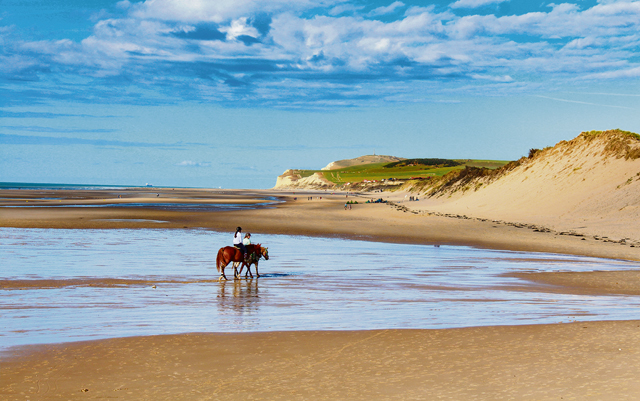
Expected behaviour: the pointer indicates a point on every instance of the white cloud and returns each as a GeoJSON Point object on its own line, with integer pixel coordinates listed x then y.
{"type": "Point", "coordinates": [123, 5]}
{"type": "Point", "coordinates": [189, 163]}
{"type": "Point", "coordinates": [581, 102]}
{"type": "Point", "coordinates": [239, 27]}
{"type": "Point", "coordinates": [616, 74]}
{"type": "Point", "coordinates": [494, 78]}
{"type": "Point", "coordinates": [475, 3]}
{"type": "Point", "coordinates": [293, 56]}
{"type": "Point", "coordinates": [219, 10]}
{"type": "Point", "coordinates": [344, 8]}
{"type": "Point", "coordinates": [15, 63]}
{"type": "Point", "coordinates": [391, 8]}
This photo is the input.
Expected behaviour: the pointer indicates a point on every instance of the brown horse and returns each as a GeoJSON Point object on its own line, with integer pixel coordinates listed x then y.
{"type": "Point", "coordinates": [256, 252]}
{"type": "Point", "coordinates": [230, 254]}
{"type": "Point", "coordinates": [227, 255]}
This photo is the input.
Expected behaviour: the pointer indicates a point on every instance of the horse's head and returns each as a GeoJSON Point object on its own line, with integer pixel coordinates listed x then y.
{"type": "Point", "coordinates": [264, 252]}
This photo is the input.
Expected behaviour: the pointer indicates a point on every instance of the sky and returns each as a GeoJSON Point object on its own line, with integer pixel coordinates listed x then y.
{"type": "Point", "coordinates": [231, 93]}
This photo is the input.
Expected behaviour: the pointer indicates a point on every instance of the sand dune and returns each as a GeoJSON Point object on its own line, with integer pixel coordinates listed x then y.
{"type": "Point", "coordinates": [589, 185]}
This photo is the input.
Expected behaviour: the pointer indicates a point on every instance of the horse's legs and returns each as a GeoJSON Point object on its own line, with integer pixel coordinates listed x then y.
{"type": "Point", "coordinates": [248, 273]}
{"type": "Point", "coordinates": [222, 276]}
{"type": "Point", "coordinates": [235, 270]}
{"type": "Point", "coordinates": [257, 274]}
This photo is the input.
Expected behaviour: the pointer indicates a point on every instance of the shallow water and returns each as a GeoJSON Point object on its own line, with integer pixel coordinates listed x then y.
{"type": "Point", "coordinates": [262, 203]}
{"type": "Point", "coordinates": [196, 207]}
{"type": "Point", "coordinates": [308, 284]}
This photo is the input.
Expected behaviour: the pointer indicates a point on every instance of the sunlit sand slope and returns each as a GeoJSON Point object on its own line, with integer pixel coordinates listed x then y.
{"type": "Point", "coordinates": [590, 185]}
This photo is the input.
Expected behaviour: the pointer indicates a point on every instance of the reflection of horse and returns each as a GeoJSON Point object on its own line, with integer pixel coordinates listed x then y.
{"type": "Point", "coordinates": [242, 296]}
{"type": "Point", "coordinates": [230, 254]}
{"type": "Point", "coordinates": [256, 252]}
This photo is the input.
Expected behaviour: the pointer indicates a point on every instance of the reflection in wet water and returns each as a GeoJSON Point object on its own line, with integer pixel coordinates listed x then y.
{"type": "Point", "coordinates": [308, 283]}
{"type": "Point", "coordinates": [240, 297]}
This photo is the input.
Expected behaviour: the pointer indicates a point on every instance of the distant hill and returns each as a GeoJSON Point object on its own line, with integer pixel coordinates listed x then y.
{"type": "Point", "coordinates": [368, 159]}
{"type": "Point", "coordinates": [373, 172]}
{"type": "Point", "coordinates": [315, 179]}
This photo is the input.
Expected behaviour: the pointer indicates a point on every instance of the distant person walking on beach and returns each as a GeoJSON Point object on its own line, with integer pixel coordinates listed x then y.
{"type": "Point", "coordinates": [237, 242]}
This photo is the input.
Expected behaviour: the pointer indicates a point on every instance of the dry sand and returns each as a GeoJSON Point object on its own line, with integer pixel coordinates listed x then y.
{"type": "Point", "coordinates": [578, 361]}
{"type": "Point", "coordinates": [569, 361]}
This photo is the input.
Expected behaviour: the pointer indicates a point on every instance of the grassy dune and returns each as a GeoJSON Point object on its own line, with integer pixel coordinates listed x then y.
{"type": "Point", "coordinates": [379, 171]}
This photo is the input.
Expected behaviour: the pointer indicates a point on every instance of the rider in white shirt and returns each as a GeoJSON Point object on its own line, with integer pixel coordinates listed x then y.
{"type": "Point", "coordinates": [237, 242]}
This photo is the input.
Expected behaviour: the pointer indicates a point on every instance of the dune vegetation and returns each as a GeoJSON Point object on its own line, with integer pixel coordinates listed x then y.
{"type": "Point", "coordinates": [403, 170]}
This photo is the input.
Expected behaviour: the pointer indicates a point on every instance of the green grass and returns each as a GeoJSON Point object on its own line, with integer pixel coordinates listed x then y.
{"type": "Point", "coordinates": [590, 134]}
{"type": "Point", "coordinates": [377, 171]}
{"type": "Point", "coordinates": [491, 164]}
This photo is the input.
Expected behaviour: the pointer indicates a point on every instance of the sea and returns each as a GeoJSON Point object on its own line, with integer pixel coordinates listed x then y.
{"type": "Point", "coordinates": [50, 186]}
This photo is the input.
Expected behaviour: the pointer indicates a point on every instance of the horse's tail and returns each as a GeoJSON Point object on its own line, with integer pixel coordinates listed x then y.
{"type": "Point", "coordinates": [219, 259]}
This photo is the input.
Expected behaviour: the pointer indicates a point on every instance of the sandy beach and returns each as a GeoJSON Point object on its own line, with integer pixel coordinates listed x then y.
{"type": "Point", "coordinates": [580, 361]}
{"type": "Point", "coordinates": [595, 360]}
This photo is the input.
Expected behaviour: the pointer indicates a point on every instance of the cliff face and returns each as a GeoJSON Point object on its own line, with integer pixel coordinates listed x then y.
{"type": "Point", "coordinates": [292, 180]}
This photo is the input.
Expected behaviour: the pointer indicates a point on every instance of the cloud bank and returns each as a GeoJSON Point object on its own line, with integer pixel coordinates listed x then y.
{"type": "Point", "coordinates": [332, 53]}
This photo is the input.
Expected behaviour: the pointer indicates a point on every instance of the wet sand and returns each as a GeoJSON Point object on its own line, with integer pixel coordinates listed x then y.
{"type": "Point", "coordinates": [90, 282]}
{"type": "Point", "coordinates": [580, 361]}
{"type": "Point", "coordinates": [585, 361]}
{"type": "Point", "coordinates": [596, 282]}
{"type": "Point", "coordinates": [317, 217]}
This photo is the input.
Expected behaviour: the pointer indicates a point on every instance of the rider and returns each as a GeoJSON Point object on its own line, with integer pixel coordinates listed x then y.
{"type": "Point", "coordinates": [237, 242]}
{"type": "Point", "coordinates": [247, 239]}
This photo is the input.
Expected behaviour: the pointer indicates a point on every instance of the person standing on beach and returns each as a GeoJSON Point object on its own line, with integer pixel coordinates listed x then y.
{"type": "Point", "coordinates": [237, 242]}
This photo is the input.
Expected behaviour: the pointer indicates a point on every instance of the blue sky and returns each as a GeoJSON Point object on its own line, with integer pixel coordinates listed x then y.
{"type": "Point", "coordinates": [231, 93]}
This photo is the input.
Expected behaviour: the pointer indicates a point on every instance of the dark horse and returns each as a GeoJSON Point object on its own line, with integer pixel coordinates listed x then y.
{"type": "Point", "coordinates": [256, 252]}
{"type": "Point", "coordinates": [230, 254]}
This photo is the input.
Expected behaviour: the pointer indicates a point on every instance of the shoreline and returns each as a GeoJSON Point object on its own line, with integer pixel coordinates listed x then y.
{"type": "Point", "coordinates": [394, 223]}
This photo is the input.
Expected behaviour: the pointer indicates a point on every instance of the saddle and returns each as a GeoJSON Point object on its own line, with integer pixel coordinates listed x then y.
{"type": "Point", "coordinates": [248, 256]}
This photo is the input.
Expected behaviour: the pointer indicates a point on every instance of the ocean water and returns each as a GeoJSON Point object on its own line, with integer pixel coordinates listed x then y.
{"type": "Point", "coordinates": [50, 186]}
{"type": "Point", "coordinates": [262, 201]}
{"type": "Point", "coordinates": [268, 202]}
{"type": "Point", "coordinates": [308, 284]}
